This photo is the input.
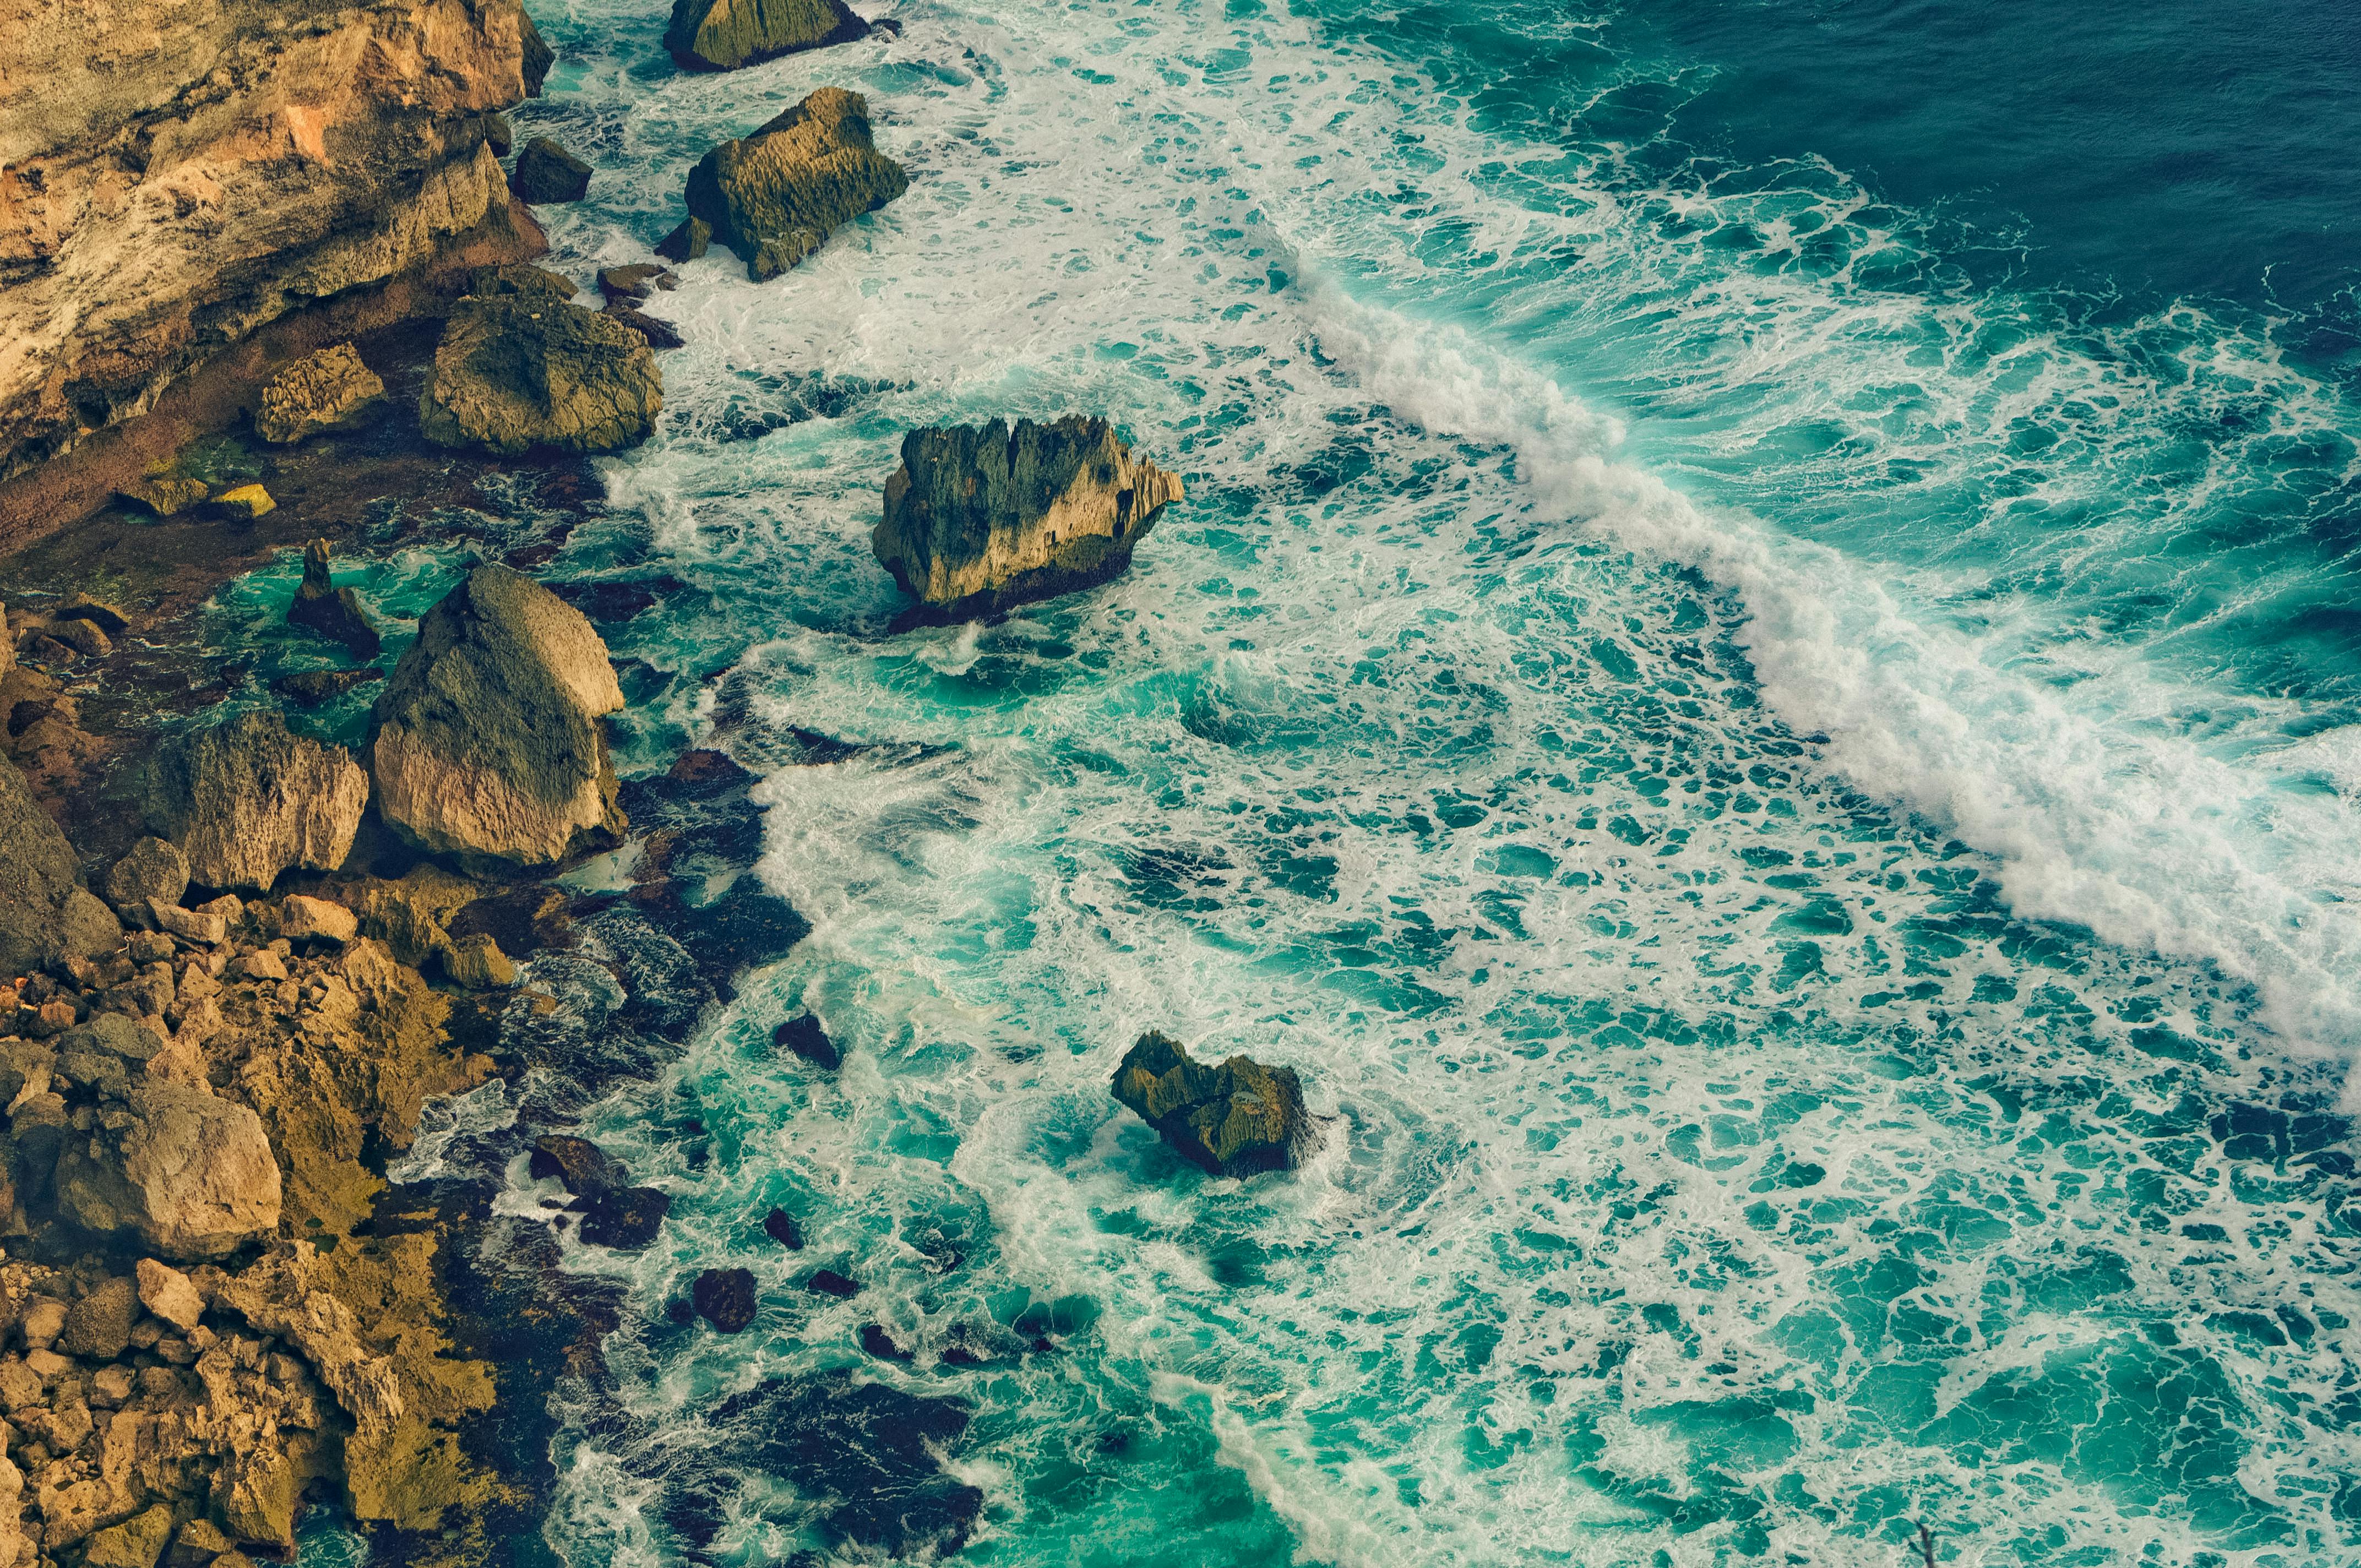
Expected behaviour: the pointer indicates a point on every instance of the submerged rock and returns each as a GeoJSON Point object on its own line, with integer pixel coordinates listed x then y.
{"type": "Point", "coordinates": [725, 1298]}
{"type": "Point", "coordinates": [803, 1034]}
{"type": "Point", "coordinates": [45, 912]}
{"type": "Point", "coordinates": [829, 1282]}
{"type": "Point", "coordinates": [776, 194]}
{"type": "Point", "coordinates": [335, 613]}
{"type": "Point", "coordinates": [780, 1226]}
{"type": "Point", "coordinates": [1233, 1120]}
{"type": "Point", "coordinates": [247, 800]}
{"type": "Point", "coordinates": [626, 1218]}
{"type": "Point", "coordinates": [545, 172]}
{"type": "Point", "coordinates": [978, 519]}
{"type": "Point", "coordinates": [319, 392]}
{"type": "Point", "coordinates": [188, 1173]}
{"type": "Point", "coordinates": [311, 688]}
{"type": "Point", "coordinates": [721, 35]}
{"type": "Point", "coordinates": [586, 1169]}
{"type": "Point", "coordinates": [515, 371]}
{"type": "Point", "coordinates": [486, 743]}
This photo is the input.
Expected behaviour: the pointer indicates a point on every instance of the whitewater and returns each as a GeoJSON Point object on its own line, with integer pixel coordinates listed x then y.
{"type": "Point", "coordinates": [1735, 760]}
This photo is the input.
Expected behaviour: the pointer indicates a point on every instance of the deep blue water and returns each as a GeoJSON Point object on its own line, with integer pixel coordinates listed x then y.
{"type": "Point", "coordinates": [1758, 684]}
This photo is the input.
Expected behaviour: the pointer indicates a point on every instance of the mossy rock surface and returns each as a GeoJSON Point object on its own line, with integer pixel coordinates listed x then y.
{"type": "Point", "coordinates": [775, 195]}
{"type": "Point", "coordinates": [722, 35]}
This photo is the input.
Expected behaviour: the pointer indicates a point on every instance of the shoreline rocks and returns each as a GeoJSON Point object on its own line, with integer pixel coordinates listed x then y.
{"type": "Point", "coordinates": [246, 800]}
{"type": "Point", "coordinates": [319, 392]}
{"type": "Point", "coordinates": [547, 173]}
{"type": "Point", "coordinates": [335, 613]}
{"type": "Point", "coordinates": [45, 912]}
{"type": "Point", "coordinates": [774, 195]}
{"type": "Point", "coordinates": [1235, 1120]}
{"type": "Point", "coordinates": [486, 744]}
{"type": "Point", "coordinates": [723, 34]}
{"type": "Point", "coordinates": [515, 371]}
{"type": "Point", "coordinates": [980, 519]}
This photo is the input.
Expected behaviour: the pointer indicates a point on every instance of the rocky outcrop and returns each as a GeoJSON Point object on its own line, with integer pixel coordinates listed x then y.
{"type": "Point", "coordinates": [247, 800]}
{"type": "Point", "coordinates": [721, 35]}
{"type": "Point", "coordinates": [186, 1171]}
{"type": "Point", "coordinates": [335, 613]}
{"type": "Point", "coordinates": [486, 743]}
{"type": "Point", "coordinates": [45, 911]}
{"type": "Point", "coordinates": [545, 172]}
{"type": "Point", "coordinates": [774, 195]}
{"type": "Point", "coordinates": [980, 520]}
{"type": "Point", "coordinates": [514, 372]}
{"type": "Point", "coordinates": [319, 392]}
{"type": "Point", "coordinates": [211, 168]}
{"type": "Point", "coordinates": [1231, 1120]}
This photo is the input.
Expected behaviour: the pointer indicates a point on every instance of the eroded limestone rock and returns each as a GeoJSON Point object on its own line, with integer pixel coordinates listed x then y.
{"type": "Point", "coordinates": [978, 520]}
{"type": "Point", "coordinates": [335, 613]}
{"type": "Point", "coordinates": [721, 35]}
{"type": "Point", "coordinates": [513, 372]}
{"type": "Point", "coordinates": [247, 800]}
{"type": "Point", "coordinates": [188, 1173]}
{"type": "Point", "coordinates": [776, 194]}
{"type": "Point", "coordinates": [1231, 1120]}
{"type": "Point", "coordinates": [319, 392]}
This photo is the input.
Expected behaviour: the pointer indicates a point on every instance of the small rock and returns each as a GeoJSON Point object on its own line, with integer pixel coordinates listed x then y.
{"type": "Point", "coordinates": [260, 964]}
{"type": "Point", "coordinates": [780, 1226]}
{"type": "Point", "coordinates": [170, 1294]}
{"type": "Point", "coordinates": [164, 496]}
{"type": "Point", "coordinates": [230, 907]}
{"type": "Point", "coordinates": [306, 919]}
{"type": "Point", "coordinates": [151, 872]}
{"type": "Point", "coordinates": [108, 617]}
{"type": "Point", "coordinates": [725, 1298]}
{"type": "Point", "coordinates": [499, 134]}
{"type": "Point", "coordinates": [47, 1363]}
{"type": "Point", "coordinates": [688, 242]}
{"type": "Point", "coordinates": [829, 1282]}
{"type": "Point", "coordinates": [586, 1169]}
{"type": "Point", "coordinates": [335, 613]}
{"type": "Point", "coordinates": [477, 963]}
{"type": "Point", "coordinates": [246, 502]}
{"type": "Point", "coordinates": [879, 1343]}
{"type": "Point", "coordinates": [98, 1327]}
{"type": "Point", "coordinates": [310, 688]}
{"type": "Point", "coordinates": [189, 925]}
{"type": "Point", "coordinates": [1233, 1120]}
{"type": "Point", "coordinates": [137, 1542]}
{"type": "Point", "coordinates": [658, 333]}
{"type": "Point", "coordinates": [634, 282]}
{"type": "Point", "coordinates": [803, 1034]}
{"type": "Point", "coordinates": [83, 637]}
{"type": "Point", "coordinates": [547, 172]}
{"type": "Point", "coordinates": [111, 1386]}
{"type": "Point", "coordinates": [21, 1386]}
{"type": "Point", "coordinates": [625, 1219]}
{"type": "Point", "coordinates": [319, 392]}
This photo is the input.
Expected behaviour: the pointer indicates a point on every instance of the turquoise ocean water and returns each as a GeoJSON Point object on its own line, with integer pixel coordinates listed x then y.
{"type": "Point", "coordinates": [1758, 685]}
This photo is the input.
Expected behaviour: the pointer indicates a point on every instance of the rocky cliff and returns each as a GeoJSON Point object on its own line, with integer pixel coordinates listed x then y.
{"type": "Point", "coordinates": [175, 176]}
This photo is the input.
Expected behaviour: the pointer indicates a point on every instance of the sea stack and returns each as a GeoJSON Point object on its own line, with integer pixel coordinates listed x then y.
{"type": "Point", "coordinates": [980, 520]}
{"type": "Point", "coordinates": [1233, 1120]}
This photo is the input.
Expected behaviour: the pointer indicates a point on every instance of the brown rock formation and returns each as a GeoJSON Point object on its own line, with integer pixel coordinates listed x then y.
{"type": "Point", "coordinates": [514, 372]}
{"type": "Point", "coordinates": [978, 519]}
{"type": "Point", "coordinates": [317, 393]}
{"type": "Point", "coordinates": [246, 800]}
{"type": "Point", "coordinates": [213, 168]}
{"type": "Point", "coordinates": [1231, 1120]}
{"type": "Point", "coordinates": [776, 194]}
{"type": "Point", "coordinates": [721, 35]}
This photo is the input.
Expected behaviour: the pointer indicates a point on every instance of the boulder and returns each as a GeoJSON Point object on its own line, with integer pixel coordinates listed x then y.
{"type": "Point", "coordinates": [84, 637]}
{"type": "Point", "coordinates": [171, 1295]}
{"type": "Point", "coordinates": [514, 372]}
{"type": "Point", "coordinates": [538, 56]}
{"type": "Point", "coordinates": [137, 1542]}
{"type": "Point", "coordinates": [247, 800]}
{"type": "Point", "coordinates": [776, 194]}
{"type": "Point", "coordinates": [781, 1227]}
{"type": "Point", "coordinates": [1231, 1120]}
{"type": "Point", "coordinates": [188, 1173]}
{"type": "Point", "coordinates": [586, 1169]}
{"type": "Point", "coordinates": [319, 392]}
{"type": "Point", "coordinates": [486, 743]}
{"type": "Point", "coordinates": [311, 688]}
{"type": "Point", "coordinates": [499, 134]}
{"type": "Point", "coordinates": [803, 1036]}
{"type": "Point", "coordinates": [688, 242]}
{"type": "Point", "coordinates": [165, 496]}
{"type": "Point", "coordinates": [477, 963]}
{"type": "Point", "coordinates": [725, 1298]}
{"type": "Point", "coordinates": [978, 519]}
{"type": "Point", "coordinates": [721, 35]}
{"type": "Point", "coordinates": [335, 613]}
{"type": "Point", "coordinates": [98, 1327]}
{"type": "Point", "coordinates": [636, 281]}
{"type": "Point", "coordinates": [110, 619]}
{"type": "Point", "coordinates": [659, 334]}
{"type": "Point", "coordinates": [626, 1217]}
{"type": "Point", "coordinates": [151, 872]}
{"type": "Point", "coordinates": [45, 912]}
{"type": "Point", "coordinates": [829, 1282]}
{"type": "Point", "coordinates": [243, 503]}
{"type": "Point", "coordinates": [303, 919]}
{"type": "Point", "coordinates": [545, 172]}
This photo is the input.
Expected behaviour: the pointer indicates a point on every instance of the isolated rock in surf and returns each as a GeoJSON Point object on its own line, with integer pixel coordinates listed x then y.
{"type": "Point", "coordinates": [1233, 1120]}
{"type": "Point", "coordinates": [486, 743]}
{"type": "Point", "coordinates": [978, 519]}
{"type": "Point", "coordinates": [247, 800]}
{"type": "Point", "coordinates": [721, 35]}
{"type": "Point", "coordinates": [775, 195]}
{"type": "Point", "coordinates": [319, 392]}
{"type": "Point", "coordinates": [516, 370]}
{"type": "Point", "coordinates": [335, 613]}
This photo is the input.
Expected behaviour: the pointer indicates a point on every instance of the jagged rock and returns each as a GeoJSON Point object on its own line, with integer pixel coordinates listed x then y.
{"type": "Point", "coordinates": [721, 35]}
{"type": "Point", "coordinates": [303, 919]}
{"type": "Point", "coordinates": [537, 55]}
{"type": "Point", "coordinates": [477, 963]}
{"type": "Point", "coordinates": [137, 1542]}
{"type": "Point", "coordinates": [83, 637]}
{"type": "Point", "coordinates": [311, 688]}
{"type": "Point", "coordinates": [659, 334]}
{"type": "Point", "coordinates": [188, 1173]}
{"type": "Point", "coordinates": [410, 916]}
{"type": "Point", "coordinates": [636, 281]}
{"type": "Point", "coordinates": [780, 1226]}
{"type": "Point", "coordinates": [521, 278]}
{"type": "Point", "coordinates": [243, 503]}
{"type": "Point", "coordinates": [151, 872]}
{"type": "Point", "coordinates": [688, 242]}
{"type": "Point", "coordinates": [978, 519]}
{"type": "Point", "coordinates": [45, 912]}
{"type": "Point", "coordinates": [110, 619]}
{"type": "Point", "coordinates": [803, 1036]}
{"type": "Point", "coordinates": [586, 1169]}
{"type": "Point", "coordinates": [513, 372]}
{"type": "Point", "coordinates": [335, 613]}
{"type": "Point", "coordinates": [725, 1298]}
{"type": "Point", "coordinates": [774, 195]}
{"type": "Point", "coordinates": [170, 1294]}
{"type": "Point", "coordinates": [625, 1218]}
{"type": "Point", "coordinates": [545, 172]}
{"type": "Point", "coordinates": [486, 744]}
{"type": "Point", "coordinates": [165, 497]}
{"type": "Point", "coordinates": [98, 1327]}
{"type": "Point", "coordinates": [246, 800]}
{"type": "Point", "coordinates": [1233, 1120]}
{"type": "Point", "coordinates": [500, 135]}
{"type": "Point", "coordinates": [319, 392]}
